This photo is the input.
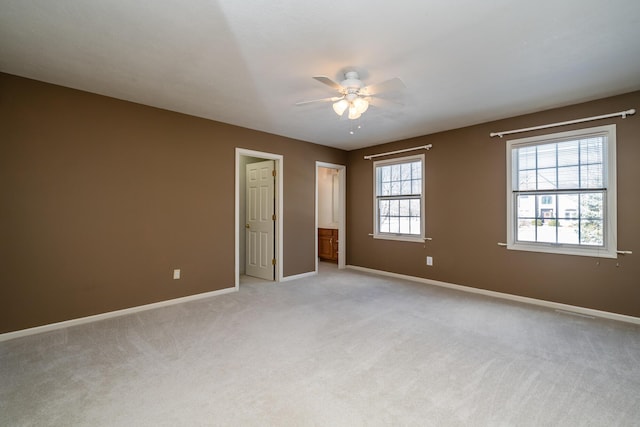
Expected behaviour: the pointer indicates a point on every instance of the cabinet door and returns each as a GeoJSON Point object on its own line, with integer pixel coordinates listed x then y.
{"type": "Point", "coordinates": [327, 243]}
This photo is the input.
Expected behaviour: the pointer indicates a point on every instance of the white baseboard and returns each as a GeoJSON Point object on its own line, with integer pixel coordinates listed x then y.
{"type": "Point", "coordinates": [102, 316]}
{"type": "Point", "coordinates": [549, 304]}
{"type": "Point", "coordinates": [299, 276]}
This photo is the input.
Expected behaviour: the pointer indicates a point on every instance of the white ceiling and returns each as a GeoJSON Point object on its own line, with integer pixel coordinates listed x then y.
{"type": "Point", "coordinates": [248, 62]}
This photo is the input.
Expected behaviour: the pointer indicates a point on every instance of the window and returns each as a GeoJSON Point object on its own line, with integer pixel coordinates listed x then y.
{"type": "Point", "coordinates": [399, 198]}
{"type": "Point", "coordinates": [561, 194]}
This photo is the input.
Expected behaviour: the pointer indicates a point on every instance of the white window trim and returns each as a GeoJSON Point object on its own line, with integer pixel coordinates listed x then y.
{"type": "Point", "coordinates": [376, 226]}
{"type": "Point", "coordinates": [609, 250]}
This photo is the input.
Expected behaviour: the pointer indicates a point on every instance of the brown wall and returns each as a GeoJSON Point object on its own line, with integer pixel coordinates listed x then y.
{"type": "Point", "coordinates": [102, 199]}
{"type": "Point", "coordinates": [466, 216]}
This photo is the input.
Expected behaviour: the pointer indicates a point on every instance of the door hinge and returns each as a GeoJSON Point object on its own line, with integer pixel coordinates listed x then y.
{"type": "Point", "coordinates": [273, 261]}
{"type": "Point", "coordinates": [273, 217]}
{"type": "Point", "coordinates": [273, 172]}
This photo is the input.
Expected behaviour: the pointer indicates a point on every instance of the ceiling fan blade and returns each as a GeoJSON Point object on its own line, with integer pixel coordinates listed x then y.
{"type": "Point", "coordinates": [330, 99]}
{"type": "Point", "coordinates": [384, 103]}
{"type": "Point", "coordinates": [390, 85]}
{"type": "Point", "coordinates": [326, 80]}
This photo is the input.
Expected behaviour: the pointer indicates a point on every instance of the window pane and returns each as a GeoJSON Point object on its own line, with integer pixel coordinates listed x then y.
{"type": "Point", "coordinates": [591, 232]}
{"type": "Point", "coordinates": [394, 224]}
{"type": "Point", "coordinates": [568, 177]}
{"type": "Point", "coordinates": [405, 171]}
{"type": "Point", "coordinates": [568, 206]}
{"type": "Point", "coordinates": [592, 176]}
{"type": "Point", "coordinates": [568, 232]}
{"type": "Point", "coordinates": [546, 207]}
{"type": "Point", "coordinates": [383, 215]}
{"type": "Point", "coordinates": [385, 173]}
{"type": "Point", "coordinates": [383, 207]}
{"type": "Point", "coordinates": [384, 224]}
{"type": "Point", "coordinates": [591, 150]}
{"type": "Point", "coordinates": [563, 165]}
{"type": "Point", "coordinates": [404, 207]}
{"type": "Point", "coordinates": [399, 179]}
{"type": "Point", "coordinates": [568, 153]}
{"type": "Point", "coordinates": [526, 158]}
{"type": "Point", "coordinates": [526, 230]}
{"type": "Point", "coordinates": [547, 232]}
{"type": "Point", "coordinates": [416, 170]}
{"type": "Point", "coordinates": [405, 227]}
{"type": "Point", "coordinates": [394, 207]}
{"type": "Point", "coordinates": [399, 216]}
{"type": "Point", "coordinates": [415, 225]}
{"type": "Point", "coordinates": [526, 206]}
{"type": "Point", "coordinates": [527, 180]}
{"type": "Point", "coordinates": [415, 207]}
{"type": "Point", "coordinates": [416, 186]}
{"type": "Point", "coordinates": [547, 179]}
{"type": "Point", "coordinates": [591, 206]}
{"type": "Point", "coordinates": [395, 173]}
{"type": "Point", "coordinates": [406, 187]}
{"type": "Point", "coordinates": [546, 156]}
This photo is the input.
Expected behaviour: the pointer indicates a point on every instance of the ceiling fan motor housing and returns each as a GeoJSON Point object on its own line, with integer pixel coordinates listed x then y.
{"type": "Point", "coordinates": [352, 82]}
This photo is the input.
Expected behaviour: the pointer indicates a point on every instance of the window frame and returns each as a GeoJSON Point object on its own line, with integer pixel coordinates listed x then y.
{"type": "Point", "coordinates": [609, 247]}
{"type": "Point", "coordinates": [377, 234]}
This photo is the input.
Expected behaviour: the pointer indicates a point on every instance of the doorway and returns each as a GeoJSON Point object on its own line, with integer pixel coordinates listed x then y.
{"type": "Point", "coordinates": [268, 249]}
{"type": "Point", "coordinates": [331, 208]}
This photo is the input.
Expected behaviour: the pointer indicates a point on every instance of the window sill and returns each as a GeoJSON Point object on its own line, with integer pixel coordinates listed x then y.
{"type": "Point", "coordinates": [400, 237]}
{"type": "Point", "coordinates": [564, 250]}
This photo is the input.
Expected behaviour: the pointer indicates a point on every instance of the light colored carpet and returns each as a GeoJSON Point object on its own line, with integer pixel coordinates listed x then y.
{"type": "Point", "coordinates": [343, 348]}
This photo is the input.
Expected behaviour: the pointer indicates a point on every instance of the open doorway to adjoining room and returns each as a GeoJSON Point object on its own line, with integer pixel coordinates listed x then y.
{"type": "Point", "coordinates": [330, 213]}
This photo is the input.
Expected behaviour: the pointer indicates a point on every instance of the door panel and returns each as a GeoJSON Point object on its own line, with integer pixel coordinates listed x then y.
{"type": "Point", "coordinates": [260, 223]}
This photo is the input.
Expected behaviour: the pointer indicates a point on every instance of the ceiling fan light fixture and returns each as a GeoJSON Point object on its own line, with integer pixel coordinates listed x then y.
{"type": "Point", "coordinates": [360, 104]}
{"type": "Point", "coordinates": [354, 113]}
{"type": "Point", "coordinates": [340, 107]}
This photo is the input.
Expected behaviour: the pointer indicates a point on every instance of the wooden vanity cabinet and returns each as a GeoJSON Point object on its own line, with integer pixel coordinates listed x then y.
{"type": "Point", "coordinates": [328, 244]}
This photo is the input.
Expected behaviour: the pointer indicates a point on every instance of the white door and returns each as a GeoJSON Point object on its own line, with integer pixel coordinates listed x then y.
{"type": "Point", "coordinates": [260, 223]}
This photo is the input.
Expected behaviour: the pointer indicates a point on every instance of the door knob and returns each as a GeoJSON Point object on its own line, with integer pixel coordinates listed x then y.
{"type": "Point", "coordinates": [247, 226]}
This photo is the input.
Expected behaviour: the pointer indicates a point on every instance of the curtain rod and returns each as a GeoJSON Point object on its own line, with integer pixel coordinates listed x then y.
{"type": "Point", "coordinates": [622, 114]}
{"type": "Point", "coordinates": [422, 147]}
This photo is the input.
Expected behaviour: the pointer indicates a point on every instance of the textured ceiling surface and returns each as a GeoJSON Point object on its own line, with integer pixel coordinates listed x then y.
{"type": "Point", "coordinates": [248, 62]}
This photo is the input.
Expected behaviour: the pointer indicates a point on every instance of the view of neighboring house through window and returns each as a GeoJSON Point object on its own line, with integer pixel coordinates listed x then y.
{"type": "Point", "coordinates": [399, 198]}
{"type": "Point", "coordinates": [561, 191]}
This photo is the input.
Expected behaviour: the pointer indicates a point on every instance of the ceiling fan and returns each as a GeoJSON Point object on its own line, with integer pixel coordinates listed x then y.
{"type": "Point", "coordinates": [353, 96]}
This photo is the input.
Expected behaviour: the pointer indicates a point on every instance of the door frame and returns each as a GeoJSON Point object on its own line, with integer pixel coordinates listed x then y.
{"type": "Point", "coordinates": [342, 188]}
{"type": "Point", "coordinates": [278, 191]}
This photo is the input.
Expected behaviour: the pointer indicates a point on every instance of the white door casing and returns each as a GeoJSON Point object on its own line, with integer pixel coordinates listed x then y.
{"type": "Point", "coordinates": [259, 225]}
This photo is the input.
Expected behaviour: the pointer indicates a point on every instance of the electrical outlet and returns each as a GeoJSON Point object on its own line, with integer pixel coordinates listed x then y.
{"type": "Point", "coordinates": [176, 274]}
{"type": "Point", "coordinates": [429, 260]}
